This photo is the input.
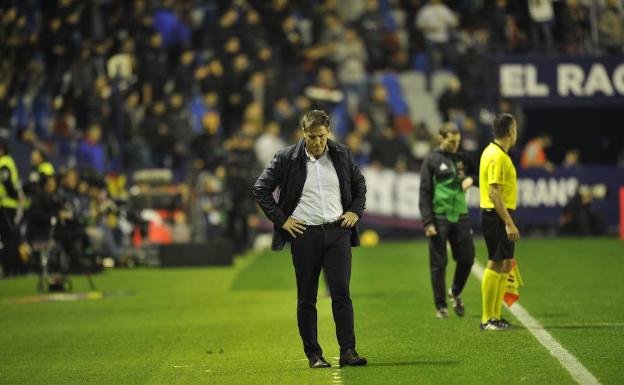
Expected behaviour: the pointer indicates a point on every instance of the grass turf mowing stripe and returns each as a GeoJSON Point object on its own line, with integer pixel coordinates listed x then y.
{"type": "Point", "coordinates": [578, 372]}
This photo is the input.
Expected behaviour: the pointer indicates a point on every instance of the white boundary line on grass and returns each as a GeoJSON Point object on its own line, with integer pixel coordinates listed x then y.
{"type": "Point", "coordinates": [578, 372]}
{"type": "Point", "coordinates": [336, 372]}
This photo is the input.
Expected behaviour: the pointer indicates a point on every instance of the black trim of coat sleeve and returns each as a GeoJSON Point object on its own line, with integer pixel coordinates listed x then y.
{"type": "Point", "coordinates": [425, 200]}
{"type": "Point", "coordinates": [262, 190]}
{"type": "Point", "coordinates": [358, 187]}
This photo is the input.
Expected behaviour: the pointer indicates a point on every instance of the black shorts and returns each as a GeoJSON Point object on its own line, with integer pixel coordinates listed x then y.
{"type": "Point", "coordinates": [498, 245]}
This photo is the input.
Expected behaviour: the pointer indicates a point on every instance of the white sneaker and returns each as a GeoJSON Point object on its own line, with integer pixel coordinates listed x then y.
{"type": "Point", "coordinates": [442, 313]}
{"type": "Point", "coordinates": [458, 304]}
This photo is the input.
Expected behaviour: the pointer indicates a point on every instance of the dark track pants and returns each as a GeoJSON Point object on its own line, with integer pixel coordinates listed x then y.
{"type": "Point", "coordinates": [9, 235]}
{"type": "Point", "coordinates": [329, 249]}
{"type": "Point", "coordinates": [460, 237]}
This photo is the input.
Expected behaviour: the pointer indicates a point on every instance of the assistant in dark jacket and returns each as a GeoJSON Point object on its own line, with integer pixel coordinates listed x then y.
{"type": "Point", "coordinates": [444, 178]}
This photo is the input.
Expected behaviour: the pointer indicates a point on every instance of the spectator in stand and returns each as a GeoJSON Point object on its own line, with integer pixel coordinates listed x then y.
{"type": "Point", "coordinates": [285, 113]}
{"type": "Point", "coordinates": [517, 41]}
{"type": "Point", "coordinates": [578, 217]}
{"type": "Point", "coordinates": [91, 152]}
{"type": "Point", "coordinates": [620, 158]}
{"type": "Point", "coordinates": [157, 129]}
{"type": "Point", "coordinates": [269, 143]}
{"type": "Point", "coordinates": [572, 159]}
{"type": "Point", "coordinates": [206, 147]}
{"type": "Point", "coordinates": [70, 232]}
{"type": "Point", "coordinates": [534, 153]}
{"type": "Point", "coordinates": [5, 106]}
{"type": "Point", "coordinates": [40, 168]}
{"type": "Point", "coordinates": [422, 142]}
{"type": "Point", "coordinates": [154, 68]}
{"type": "Point", "coordinates": [576, 28]}
{"type": "Point", "coordinates": [102, 220]}
{"type": "Point", "coordinates": [212, 204]}
{"type": "Point", "coordinates": [498, 27]}
{"type": "Point", "coordinates": [325, 93]}
{"type": "Point", "coordinates": [134, 145]}
{"type": "Point", "coordinates": [183, 75]}
{"type": "Point", "coordinates": [359, 148]}
{"type": "Point", "coordinates": [452, 102]}
{"type": "Point", "coordinates": [330, 37]}
{"type": "Point", "coordinates": [238, 95]}
{"type": "Point", "coordinates": [253, 32]}
{"type": "Point", "coordinates": [241, 172]}
{"type": "Point", "coordinates": [290, 43]}
{"type": "Point", "coordinates": [211, 77]}
{"type": "Point", "coordinates": [505, 36]}
{"type": "Point", "coordinates": [542, 17]}
{"type": "Point", "coordinates": [389, 151]}
{"type": "Point", "coordinates": [372, 30]}
{"type": "Point", "coordinates": [179, 119]}
{"type": "Point", "coordinates": [351, 59]}
{"type": "Point", "coordinates": [378, 108]}
{"type": "Point", "coordinates": [472, 139]}
{"type": "Point", "coordinates": [437, 23]}
{"type": "Point", "coordinates": [45, 205]}
{"type": "Point", "coordinates": [40, 163]}
{"type": "Point", "coordinates": [611, 27]}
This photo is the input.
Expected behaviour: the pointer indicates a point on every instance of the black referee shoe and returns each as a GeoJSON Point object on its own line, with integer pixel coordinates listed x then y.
{"type": "Point", "coordinates": [503, 323]}
{"type": "Point", "coordinates": [491, 325]}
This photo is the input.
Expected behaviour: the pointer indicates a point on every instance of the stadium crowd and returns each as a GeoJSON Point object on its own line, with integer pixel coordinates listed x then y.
{"type": "Point", "coordinates": [96, 90]}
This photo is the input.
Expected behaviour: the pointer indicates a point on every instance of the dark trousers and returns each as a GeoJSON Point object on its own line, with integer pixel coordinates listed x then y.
{"type": "Point", "coordinates": [9, 235]}
{"type": "Point", "coordinates": [459, 235]}
{"type": "Point", "coordinates": [329, 249]}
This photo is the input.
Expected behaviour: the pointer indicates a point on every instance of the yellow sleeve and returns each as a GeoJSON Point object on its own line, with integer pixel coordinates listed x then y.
{"type": "Point", "coordinates": [496, 171]}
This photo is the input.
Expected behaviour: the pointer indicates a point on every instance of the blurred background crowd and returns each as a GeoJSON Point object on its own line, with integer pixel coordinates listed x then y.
{"type": "Point", "coordinates": [93, 93]}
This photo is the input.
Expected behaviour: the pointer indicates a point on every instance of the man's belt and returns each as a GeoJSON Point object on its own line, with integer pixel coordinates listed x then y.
{"type": "Point", "coordinates": [326, 226]}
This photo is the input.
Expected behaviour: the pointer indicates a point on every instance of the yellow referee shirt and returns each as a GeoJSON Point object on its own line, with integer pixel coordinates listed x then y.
{"type": "Point", "coordinates": [497, 168]}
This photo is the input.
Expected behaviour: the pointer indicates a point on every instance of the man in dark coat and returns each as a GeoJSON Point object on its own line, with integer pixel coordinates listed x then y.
{"type": "Point", "coordinates": [320, 197]}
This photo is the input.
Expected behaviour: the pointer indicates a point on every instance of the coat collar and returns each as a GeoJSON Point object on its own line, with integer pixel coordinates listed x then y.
{"type": "Point", "coordinates": [299, 152]}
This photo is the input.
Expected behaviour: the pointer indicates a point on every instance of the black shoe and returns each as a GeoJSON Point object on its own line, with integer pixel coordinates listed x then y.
{"type": "Point", "coordinates": [351, 358]}
{"type": "Point", "coordinates": [318, 362]}
{"type": "Point", "coordinates": [491, 325]}
{"type": "Point", "coordinates": [442, 313]}
{"type": "Point", "coordinates": [458, 305]}
{"type": "Point", "coordinates": [503, 323]}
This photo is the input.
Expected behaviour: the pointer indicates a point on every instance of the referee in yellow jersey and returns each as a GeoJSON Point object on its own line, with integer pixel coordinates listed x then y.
{"type": "Point", "coordinates": [498, 193]}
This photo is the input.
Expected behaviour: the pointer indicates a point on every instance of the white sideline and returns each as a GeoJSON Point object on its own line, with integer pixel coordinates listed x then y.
{"type": "Point", "coordinates": [578, 372]}
{"type": "Point", "coordinates": [336, 372]}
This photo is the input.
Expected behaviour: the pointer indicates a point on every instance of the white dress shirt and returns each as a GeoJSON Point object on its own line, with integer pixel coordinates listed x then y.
{"type": "Point", "coordinates": [320, 199]}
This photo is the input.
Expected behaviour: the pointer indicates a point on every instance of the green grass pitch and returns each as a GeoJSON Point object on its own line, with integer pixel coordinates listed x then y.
{"type": "Point", "coordinates": [237, 325]}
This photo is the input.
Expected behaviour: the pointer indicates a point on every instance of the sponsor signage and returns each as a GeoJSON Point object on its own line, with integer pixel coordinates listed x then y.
{"type": "Point", "coordinates": [541, 196]}
{"type": "Point", "coordinates": [596, 81]}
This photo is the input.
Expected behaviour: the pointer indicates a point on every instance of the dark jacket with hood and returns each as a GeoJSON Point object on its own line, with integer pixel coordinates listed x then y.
{"type": "Point", "coordinates": [441, 193]}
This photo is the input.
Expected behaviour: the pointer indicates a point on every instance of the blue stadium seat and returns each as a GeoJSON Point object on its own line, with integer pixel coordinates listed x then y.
{"type": "Point", "coordinates": [395, 94]}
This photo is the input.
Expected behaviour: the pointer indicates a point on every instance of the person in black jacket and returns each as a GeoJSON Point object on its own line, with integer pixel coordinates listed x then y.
{"type": "Point", "coordinates": [444, 178]}
{"type": "Point", "coordinates": [11, 209]}
{"type": "Point", "coordinates": [320, 198]}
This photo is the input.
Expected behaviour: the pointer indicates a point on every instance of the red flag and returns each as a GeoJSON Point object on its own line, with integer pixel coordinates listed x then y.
{"type": "Point", "coordinates": [514, 282]}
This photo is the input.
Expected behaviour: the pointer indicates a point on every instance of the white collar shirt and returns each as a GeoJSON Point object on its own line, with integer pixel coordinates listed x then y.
{"type": "Point", "coordinates": [320, 199]}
